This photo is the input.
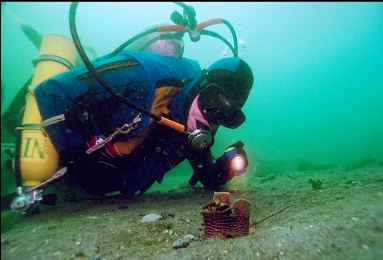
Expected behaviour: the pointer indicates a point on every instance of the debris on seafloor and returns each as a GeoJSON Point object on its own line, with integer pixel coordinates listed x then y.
{"type": "Point", "coordinates": [317, 185]}
{"type": "Point", "coordinates": [151, 218]}
{"type": "Point", "coordinates": [183, 242]}
{"type": "Point", "coordinates": [225, 220]}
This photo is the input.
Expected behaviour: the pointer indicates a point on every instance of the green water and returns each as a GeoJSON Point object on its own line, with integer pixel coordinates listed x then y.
{"type": "Point", "coordinates": [318, 67]}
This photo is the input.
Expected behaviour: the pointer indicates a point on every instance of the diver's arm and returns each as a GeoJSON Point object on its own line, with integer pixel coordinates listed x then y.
{"type": "Point", "coordinates": [213, 172]}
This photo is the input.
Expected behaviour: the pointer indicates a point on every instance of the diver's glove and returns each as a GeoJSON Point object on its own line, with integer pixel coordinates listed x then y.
{"type": "Point", "coordinates": [96, 175]}
{"type": "Point", "coordinates": [97, 172]}
{"type": "Point", "coordinates": [232, 163]}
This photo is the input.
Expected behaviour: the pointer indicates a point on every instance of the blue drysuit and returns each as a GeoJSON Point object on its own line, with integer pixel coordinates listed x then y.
{"type": "Point", "coordinates": [135, 75]}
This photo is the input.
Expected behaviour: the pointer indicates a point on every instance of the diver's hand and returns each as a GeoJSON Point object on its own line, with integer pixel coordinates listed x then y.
{"type": "Point", "coordinates": [96, 175]}
{"type": "Point", "coordinates": [238, 145]}
{"type": "Point", "coordinates": [232, 163]}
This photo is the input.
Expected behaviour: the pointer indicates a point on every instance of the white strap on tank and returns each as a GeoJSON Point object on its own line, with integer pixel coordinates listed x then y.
{"type": "Point", "coordinates": [53, 120]}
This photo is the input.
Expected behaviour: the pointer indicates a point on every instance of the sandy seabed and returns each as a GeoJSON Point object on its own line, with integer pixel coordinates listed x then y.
{"type": "Point", "coordinates": [342, 220]}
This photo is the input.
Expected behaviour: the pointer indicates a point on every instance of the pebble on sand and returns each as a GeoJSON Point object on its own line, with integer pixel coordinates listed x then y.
{"type": "Point", "coordinates": [150, 218]}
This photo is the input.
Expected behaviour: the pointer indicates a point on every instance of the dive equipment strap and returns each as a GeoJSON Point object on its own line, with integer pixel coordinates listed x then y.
{"type": "Point", "coordinates": [53, 120]}
{"type": "Point", "coordinates": [53, 58]}
{"type": "Point", "coordinates": [28, 127]}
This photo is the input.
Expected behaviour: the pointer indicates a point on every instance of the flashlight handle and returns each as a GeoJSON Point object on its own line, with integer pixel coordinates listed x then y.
{"type": "Point", "coordinates": [174, 125]}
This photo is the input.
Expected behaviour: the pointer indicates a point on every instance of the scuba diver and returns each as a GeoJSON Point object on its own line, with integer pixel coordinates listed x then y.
{"type": "Point", "coordinates": [125, 119]}
{"type": "Point", "coordinates": [109, 146]}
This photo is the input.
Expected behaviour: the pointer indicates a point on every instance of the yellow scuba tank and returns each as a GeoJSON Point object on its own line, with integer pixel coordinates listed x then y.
{"type": "Point", "coordinates": [39, 159]}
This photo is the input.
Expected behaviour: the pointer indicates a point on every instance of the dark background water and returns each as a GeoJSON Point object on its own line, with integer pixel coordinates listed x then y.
{"type": "Point", "coordinates": [318, 67]}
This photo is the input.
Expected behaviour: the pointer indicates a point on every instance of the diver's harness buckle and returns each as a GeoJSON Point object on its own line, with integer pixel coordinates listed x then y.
{"type": "Point", "coordinates": [125, 129]}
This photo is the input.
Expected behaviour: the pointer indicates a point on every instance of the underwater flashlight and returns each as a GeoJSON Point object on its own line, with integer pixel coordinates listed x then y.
{"type": "Point", "coordinates": [237, 161]}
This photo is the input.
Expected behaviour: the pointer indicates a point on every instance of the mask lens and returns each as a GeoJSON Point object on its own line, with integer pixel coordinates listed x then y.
{"type": "Point", "coordinates": [218, 109]}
